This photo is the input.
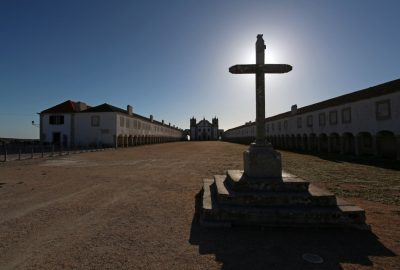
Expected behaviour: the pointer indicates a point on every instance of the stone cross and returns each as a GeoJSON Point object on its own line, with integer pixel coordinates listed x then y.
{"type": "Point", "coordinates": [260, 68]}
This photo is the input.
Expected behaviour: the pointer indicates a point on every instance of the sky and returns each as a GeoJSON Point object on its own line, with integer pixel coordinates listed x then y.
{"type": "Point", "coordinates": [171, 58]}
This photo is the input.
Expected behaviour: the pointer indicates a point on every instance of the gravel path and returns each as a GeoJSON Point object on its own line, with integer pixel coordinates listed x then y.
{"type": "Point", "coordinates": [135, 209]}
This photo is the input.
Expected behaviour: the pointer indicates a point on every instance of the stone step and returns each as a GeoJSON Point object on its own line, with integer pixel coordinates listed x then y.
{"type": "Point", "coordinates": [342, 215]}
{"type": "Point", "coordinates": [238, 181]}
{"type": "Point", "coordinates": [314, 196]}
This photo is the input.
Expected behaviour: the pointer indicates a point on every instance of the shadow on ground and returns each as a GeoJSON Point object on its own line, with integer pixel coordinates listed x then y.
{"type": "Point", "coordinates": [282, 248]}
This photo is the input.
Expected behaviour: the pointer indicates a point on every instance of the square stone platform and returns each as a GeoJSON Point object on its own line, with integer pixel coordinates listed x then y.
{"type": "Point", "coordinates": [287, 201]}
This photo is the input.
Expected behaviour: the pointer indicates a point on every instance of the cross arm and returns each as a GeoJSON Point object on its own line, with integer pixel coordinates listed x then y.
{"type": "Point", "coordinates": [268, 68]}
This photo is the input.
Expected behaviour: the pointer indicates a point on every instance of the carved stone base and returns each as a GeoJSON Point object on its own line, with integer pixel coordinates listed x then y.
{"type": "Point", "coordinates": [262, 161]}
{"type": "Point", "coordinates": [234, 200]}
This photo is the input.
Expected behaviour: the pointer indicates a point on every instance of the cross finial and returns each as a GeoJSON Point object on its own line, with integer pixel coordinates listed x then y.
{"type": "Point", "coordinates": [260, 42]}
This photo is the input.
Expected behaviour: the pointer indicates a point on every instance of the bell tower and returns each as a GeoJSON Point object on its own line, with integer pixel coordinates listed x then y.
{"type": "Point", "coordinates": [192, 122]}
{"type": "Point", "coordinates": [193, 129]}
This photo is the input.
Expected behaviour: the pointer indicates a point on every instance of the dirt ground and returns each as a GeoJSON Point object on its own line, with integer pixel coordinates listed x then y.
{"type": "Point", "coordinates": [135, 209]}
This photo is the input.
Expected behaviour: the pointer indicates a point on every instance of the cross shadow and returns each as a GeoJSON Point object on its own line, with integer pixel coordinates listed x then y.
{"type": "Point", "coordinates": [282, 248]}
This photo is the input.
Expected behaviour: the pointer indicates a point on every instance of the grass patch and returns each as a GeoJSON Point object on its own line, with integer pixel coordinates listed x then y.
{"type": "Point", "coordinates": [377, 180]}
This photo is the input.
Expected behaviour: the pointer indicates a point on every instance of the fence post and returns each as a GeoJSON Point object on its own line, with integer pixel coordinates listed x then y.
{"type": "Point", "coordinates": [32, 152]}
{"type": "Point", "coordinates": [41, 148]}
{"type": "Point", "coordinates": [5, 152]}
{"type": "Point", "coordinates": [19, 153]}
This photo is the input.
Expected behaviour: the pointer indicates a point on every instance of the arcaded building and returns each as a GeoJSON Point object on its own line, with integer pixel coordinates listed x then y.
{"type": "Point", "coordinates": [365, 122]}
{"type": "Point", "coordinates": [204, 130]}
{"type": "Point", "coordinates": [71, 124]}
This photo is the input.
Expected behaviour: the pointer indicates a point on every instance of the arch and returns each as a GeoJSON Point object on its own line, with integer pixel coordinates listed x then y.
{"type": "Point", "coordinates": [305, 142]}
{"type": "Point", "coordinates": [130, 140]}
{"type": "Point", "coordinates": [134, 140]}
{"type": "Point", "coordinates": [299, 145]}
{"type": "Point", "coordinates": [278, 141]}
{"type": "Point", "coordinates": [386, 144]}
{"type": "Point", "coordinates": [140, 139]}
{"type": "Point", "coordinates": [287, 141]}
{"type": "Point", "coordinates": [334, 143]}
{"type": "Point", "coordinates": [293, 142]}
{"type": "Point", "coordinates": [120, 140]}
{"type": "Point", "coordinates": [323, 143]}
{"type": "Point", "coordinates": [273, 141]}
{"type": "Point", "coordinates": [282, 141]}
{"type": "Point", "coordinates": [348, 143]}
{"type": "Point", "coordinates": [312, 142]}
{"type": "Point", "coordinates": [365, 144]}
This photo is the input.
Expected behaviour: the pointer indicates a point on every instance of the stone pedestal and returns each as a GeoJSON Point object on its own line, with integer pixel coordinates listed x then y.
{"type": "Point", "coordinates": [262, 161]}
{"type": "Point", "coordinates": [263, 195]}
{"type": "Point", "coordinates": [235, 199]}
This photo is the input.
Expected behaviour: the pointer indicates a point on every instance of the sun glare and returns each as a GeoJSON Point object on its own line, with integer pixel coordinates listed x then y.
{"type": "Point", "coordinates": [249, 57]}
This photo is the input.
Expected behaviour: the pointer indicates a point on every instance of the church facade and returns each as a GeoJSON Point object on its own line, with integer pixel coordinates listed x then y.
{"type": "Point", "coordinates": [204, 130]}
{"type": "Point", "coordinates": [365, 122]}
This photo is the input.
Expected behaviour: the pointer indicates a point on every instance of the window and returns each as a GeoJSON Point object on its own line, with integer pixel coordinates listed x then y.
{"type": "Point", "coordinates": [56, 120]}
{"type": "Point", "coordinates": [382, 110]}
{"type": "Point", "coordinates": [279, 126]}
{"type": "Point", "coordinates": [127, 122]}
{"type": "Point", "coordinates": [121, 121]}
{"type": "Point", "coordinates": [333, 117]}
{"type": "Point", "coordinates": [322, 119]}
{"type": "Point", "coordinates": [346, 115]}
{"type": "Point", "coordinates": [95, 120]}
{"type": "Point", "coordinates": [298, 122]}
{"type": "Point", "coordinates": [309, 121]}
{"type": "Point", "coordinates": [285, 125]}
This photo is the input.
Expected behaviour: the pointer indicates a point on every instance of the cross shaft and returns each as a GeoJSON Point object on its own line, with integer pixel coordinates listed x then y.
{"type": "Point", "coordinates": [259, 69]}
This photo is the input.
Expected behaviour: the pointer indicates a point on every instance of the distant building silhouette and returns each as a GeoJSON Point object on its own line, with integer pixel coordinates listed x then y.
{"type": "Point", "coordinates": [204, 130]}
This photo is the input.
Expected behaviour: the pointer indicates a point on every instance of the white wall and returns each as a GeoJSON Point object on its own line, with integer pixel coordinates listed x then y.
{"type": "Point", "coordinates": [64, 129]}
{"type": "Point", "coordinates": [363, 119]}
{"type": "Point", "coordinates": [86, 134]}
{"type": "Point", "coordinates": [132, 126]}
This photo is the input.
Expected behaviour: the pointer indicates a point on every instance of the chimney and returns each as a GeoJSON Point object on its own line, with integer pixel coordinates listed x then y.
{"type": "Point", "coordinates": [81, 106]}
{"type": "Point", "coordinates": [294, 109]}
{"type": "Point", "coordinates": [151, 118]}
{"type": "Point", "coordinates": [162, 122]}
{"type": "Point", "coordinates": [129, 109]}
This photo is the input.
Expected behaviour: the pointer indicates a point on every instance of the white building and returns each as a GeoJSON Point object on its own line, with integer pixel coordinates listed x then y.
{"type": "Point", "coordinates": [365, 122]}
{"type": "Point", "coordinates": [76, 124]}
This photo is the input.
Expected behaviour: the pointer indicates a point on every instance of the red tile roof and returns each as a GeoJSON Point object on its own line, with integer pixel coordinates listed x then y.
{"type": "Point", "coordinates": [65, 107]}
